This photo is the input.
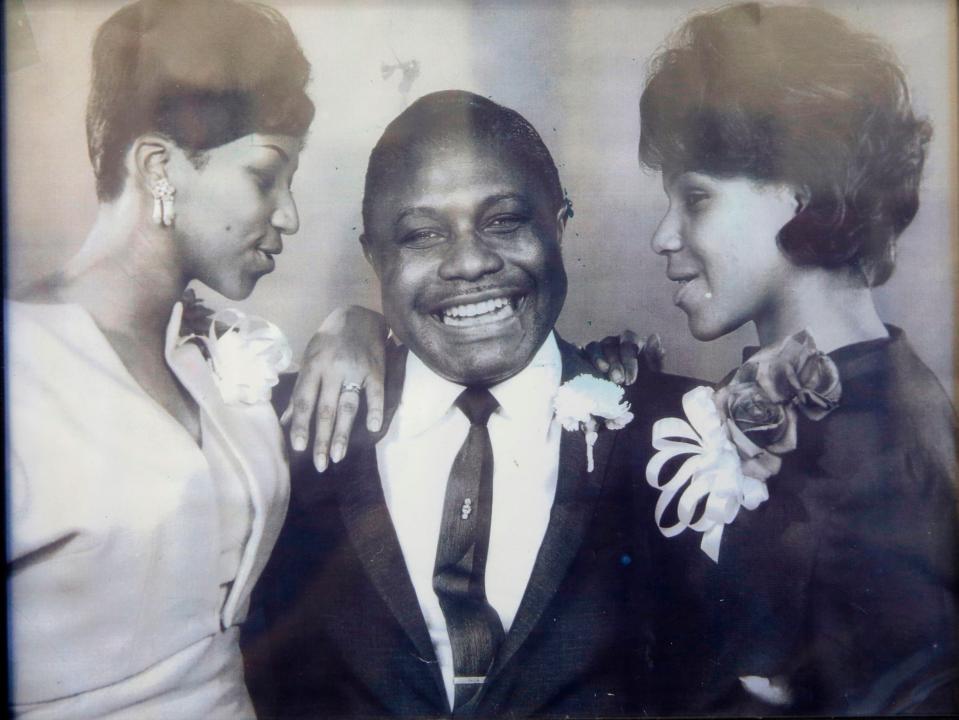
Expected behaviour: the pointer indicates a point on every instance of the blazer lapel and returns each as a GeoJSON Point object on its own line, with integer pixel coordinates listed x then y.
{"type": "Point", "coordinates": [370, 527]}
{"type": "Point", "coordinates": [252, 435]}
{"type": "Point", "coordinates": [576, 494]}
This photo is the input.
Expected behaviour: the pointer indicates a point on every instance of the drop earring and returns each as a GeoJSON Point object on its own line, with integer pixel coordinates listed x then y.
{"type": "Point", "coordinates": [163, 192]}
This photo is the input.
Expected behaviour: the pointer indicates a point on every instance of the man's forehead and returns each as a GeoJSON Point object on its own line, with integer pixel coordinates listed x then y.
{"type": "Point", "coordinates": [439, 170]}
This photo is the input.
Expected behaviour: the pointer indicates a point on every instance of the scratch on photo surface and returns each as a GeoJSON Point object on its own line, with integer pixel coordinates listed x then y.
{"type": "Point", "coordinates": [21, 49]}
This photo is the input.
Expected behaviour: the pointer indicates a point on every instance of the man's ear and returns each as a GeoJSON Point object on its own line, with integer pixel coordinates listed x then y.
{"type": "Point", "coordinates": [151, 155]}
{"type": "Point", "coordinates": [368, 252]}
{"type": "Point", "coordinates": [801, 196]}
{"type": "Point", "coordinates": [561, 216]}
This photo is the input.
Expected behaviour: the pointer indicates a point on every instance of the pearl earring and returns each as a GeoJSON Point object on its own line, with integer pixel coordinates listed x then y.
{"type": "Point", "coordinates": [163, 192]}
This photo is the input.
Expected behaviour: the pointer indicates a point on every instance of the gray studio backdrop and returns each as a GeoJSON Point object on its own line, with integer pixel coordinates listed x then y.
{"type": "Point", "coordinates": [573, 68]}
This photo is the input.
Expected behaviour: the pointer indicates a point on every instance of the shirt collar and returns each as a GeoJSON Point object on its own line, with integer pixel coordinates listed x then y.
{"type": "Point", "coordinates": [530, 392]}
{"type": "Point", "coordinates": [428, 397]}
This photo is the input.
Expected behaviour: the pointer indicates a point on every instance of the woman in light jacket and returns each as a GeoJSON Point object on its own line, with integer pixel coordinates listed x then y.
{"type": "Point", "coordinates": [147, 480]}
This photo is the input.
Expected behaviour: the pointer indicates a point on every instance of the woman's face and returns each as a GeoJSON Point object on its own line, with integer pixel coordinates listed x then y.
{"type": "Point", "coordinates": [232, 210]}
{"type": "Point", "coordinates": [719, 239]}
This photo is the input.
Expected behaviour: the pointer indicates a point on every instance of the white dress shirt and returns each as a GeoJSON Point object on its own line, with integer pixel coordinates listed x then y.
{"type": "Point", "coordinates": [414, 460]}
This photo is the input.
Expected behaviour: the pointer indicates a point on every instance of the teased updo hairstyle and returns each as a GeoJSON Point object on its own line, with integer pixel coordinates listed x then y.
{"type": "Point", "coordinates": [455, 115]}
{"type": "Point", "coordinates": [201, 72]}
{"type": "Point", "coordinates": [791, 94]}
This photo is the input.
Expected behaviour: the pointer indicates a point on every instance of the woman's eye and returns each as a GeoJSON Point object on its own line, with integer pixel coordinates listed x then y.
{"type": "Point", "coordinates": [505, 223]}
{"type": "Point", "coordinates": [264, 180]}
{"type": "Point", "coordinates": [422, 238]}
{"type": "Point", "coordinates": [693, 199]}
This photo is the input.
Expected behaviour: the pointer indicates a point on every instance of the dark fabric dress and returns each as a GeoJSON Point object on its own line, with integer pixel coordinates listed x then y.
{"type": "Point", "coordinates": [841, 588]}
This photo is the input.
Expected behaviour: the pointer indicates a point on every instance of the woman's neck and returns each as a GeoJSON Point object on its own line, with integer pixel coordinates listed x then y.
{"type": "Point", "coordinates": [836, 309]}
{"type": "Point", "coordinates": [126, 274]}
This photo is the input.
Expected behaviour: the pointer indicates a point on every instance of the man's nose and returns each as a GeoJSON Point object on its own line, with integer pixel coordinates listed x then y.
{"type": "Point", "coordinates": [667, 237]}
{"type": "Point", "coordinates": [469, 257]}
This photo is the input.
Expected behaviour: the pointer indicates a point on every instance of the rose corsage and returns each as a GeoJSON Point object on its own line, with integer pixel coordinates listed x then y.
{"type": "Point", "coordinates": [735, 437]}
{"type": "Point", "coordinates": [583, 401]}
{"type": "Point", "coordinates": [246, 353]}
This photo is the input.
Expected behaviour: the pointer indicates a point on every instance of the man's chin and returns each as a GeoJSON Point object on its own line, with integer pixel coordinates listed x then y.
{"type": "Point", "coordinates": [482, 369]}
{"type": "Point", "coordinates": [472, 357]}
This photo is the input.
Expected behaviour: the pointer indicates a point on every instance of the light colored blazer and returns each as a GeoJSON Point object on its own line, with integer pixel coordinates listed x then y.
{"type": "Point", "coordinates": [113, 531]}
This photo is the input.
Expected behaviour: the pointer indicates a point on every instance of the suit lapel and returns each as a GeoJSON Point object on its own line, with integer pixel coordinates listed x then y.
{"type": "Point", "coordinates": [576, 494]}
{"type": "Point", "coordinates": [368, 523]}
{"type": "Point", "coordinates": [370, 527]}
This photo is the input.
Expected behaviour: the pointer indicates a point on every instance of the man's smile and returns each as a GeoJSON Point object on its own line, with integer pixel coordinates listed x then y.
{"type": "Point", "coordinates": [478, 309]}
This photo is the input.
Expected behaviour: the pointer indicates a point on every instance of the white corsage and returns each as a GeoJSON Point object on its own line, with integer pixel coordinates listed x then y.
{"type": "Point", "coordinates": [713, 472]}
{"type": "Point", "coordinates": [736, 436]}
{"type": "Point", "coordinates": [582, 401]}
{"type": "Point", "coordinates": [247, 358]}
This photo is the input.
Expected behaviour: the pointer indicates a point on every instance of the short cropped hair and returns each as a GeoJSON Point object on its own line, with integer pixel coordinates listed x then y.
{"type": "Point", "coordinates": [200, 72]}
{"type": "Point", "coordinates": [457, 114]}
{"type": "Point", "coordinates": [791, 94]}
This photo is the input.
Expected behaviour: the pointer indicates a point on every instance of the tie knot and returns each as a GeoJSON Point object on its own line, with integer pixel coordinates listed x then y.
{"type": "Point", "coordinates": [477, 404]}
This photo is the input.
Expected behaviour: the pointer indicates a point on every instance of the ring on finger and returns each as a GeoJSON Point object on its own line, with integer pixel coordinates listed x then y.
{"type": "Point", "coordinates": [352, 387]}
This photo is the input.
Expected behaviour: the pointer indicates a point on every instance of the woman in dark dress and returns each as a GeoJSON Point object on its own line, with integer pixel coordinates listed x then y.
{"type": "Point", "coordinates": [791, 158]}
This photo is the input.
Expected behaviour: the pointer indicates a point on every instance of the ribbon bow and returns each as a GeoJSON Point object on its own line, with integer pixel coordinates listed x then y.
{"type": "Point", "coordinates": [713, 473]}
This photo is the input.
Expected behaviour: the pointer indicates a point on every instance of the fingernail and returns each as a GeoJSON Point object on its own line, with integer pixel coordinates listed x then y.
{"type": "Point", "coordinates": [616, 376]}
{"type": "Point", "coordinates": [336, 454]}
{"type": "Point", "coordinates": [373, 423]}
{"type": "Point", "coordinates": [299, 443]}
{"type": "Point", "coordinates": [603, 365]}
{"type": "Point", "coordinates": [285, 417]}
{"type": "Point", "coordinates": [320, 461]}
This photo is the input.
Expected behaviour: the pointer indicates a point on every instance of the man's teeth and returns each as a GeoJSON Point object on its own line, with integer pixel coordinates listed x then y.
{"type": "Point", "coordinates": [469, 313]}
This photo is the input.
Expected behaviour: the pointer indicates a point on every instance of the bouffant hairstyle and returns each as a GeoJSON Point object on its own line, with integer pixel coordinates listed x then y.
{"type": "Point", "coordinates": [791, 94]}
{"type": "Point", "coordinates": [455, 115]}
{"type": "Point", "coordinates": [200, 72]}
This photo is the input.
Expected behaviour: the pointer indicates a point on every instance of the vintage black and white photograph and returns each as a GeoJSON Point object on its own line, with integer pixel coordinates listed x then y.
{"type": "Point", "coordinates": [480, 358]}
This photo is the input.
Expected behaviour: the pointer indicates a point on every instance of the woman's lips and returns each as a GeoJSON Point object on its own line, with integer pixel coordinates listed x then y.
{"type": "Point", "coordinates": [690, 288]}
{"type": "Point", "coordinates": [266, 260]}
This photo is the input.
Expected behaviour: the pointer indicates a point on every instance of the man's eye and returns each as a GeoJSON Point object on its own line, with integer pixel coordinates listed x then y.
{"type": "Point", "coordinates": [422, 238]}
{"type": "Point", "coordinates": [505, 223]}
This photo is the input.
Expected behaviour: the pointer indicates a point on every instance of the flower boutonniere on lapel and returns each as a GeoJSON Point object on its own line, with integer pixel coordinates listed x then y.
{"type": "Point", "coordinates": [735, 437]}
{"type": "Point", "coordinates": [246, 353]}
{"type": "Point", "coordinates": [583, 401]}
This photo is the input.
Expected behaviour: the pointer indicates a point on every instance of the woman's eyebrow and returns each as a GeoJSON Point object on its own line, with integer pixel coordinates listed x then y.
{"type": "Point", "coordinates": [280, 150]}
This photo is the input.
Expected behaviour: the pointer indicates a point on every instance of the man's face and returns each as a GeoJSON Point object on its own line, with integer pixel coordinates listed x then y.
{"type": "Point", "coordinates": [467, 248]}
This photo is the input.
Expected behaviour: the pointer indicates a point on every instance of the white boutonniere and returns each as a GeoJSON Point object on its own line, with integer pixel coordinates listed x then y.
{"type": "Point", "coordinates": [581, 402]}
{"type": "Point", "coordinates": [246, 354]}
{"type": "Point", "coordinates": [735, 437]}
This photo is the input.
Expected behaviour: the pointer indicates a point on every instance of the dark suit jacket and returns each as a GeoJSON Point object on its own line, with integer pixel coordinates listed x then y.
{"type": "Point", "coordinates": [336, 629]}
{"type": "Point", "coordinates": [843, 583]}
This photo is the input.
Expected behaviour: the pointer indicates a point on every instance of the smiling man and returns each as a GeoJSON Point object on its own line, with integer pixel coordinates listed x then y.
{"type": "Point", "coordinates": [465, 559]}
{"type": "Point", "coordinates": [464, 215]}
